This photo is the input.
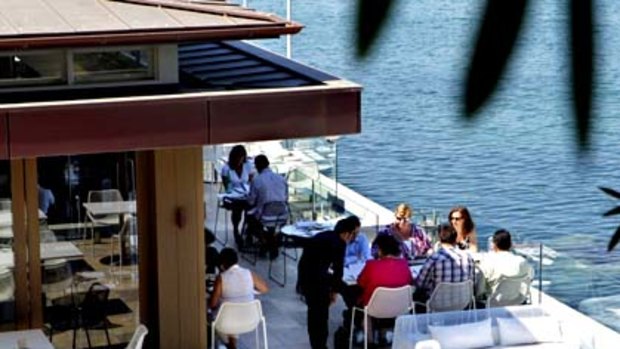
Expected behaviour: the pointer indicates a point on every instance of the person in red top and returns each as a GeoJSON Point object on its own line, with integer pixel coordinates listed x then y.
{"type": "Point", "coordinates": [390, 270]}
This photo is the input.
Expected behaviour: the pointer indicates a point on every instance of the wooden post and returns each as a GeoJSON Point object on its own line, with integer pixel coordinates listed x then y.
{"type": "Point", "coordinates": [170, 229]}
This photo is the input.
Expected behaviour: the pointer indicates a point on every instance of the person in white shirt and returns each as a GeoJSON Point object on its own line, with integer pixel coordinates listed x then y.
{"type": "Point", "coordinates": [236, 177]}
{"type": "Point", "coordinates": [501, 262]}
{"type": "Point", "coordinates": [267, 187]}
{"type": "Point", "coordinates": [234, 284]}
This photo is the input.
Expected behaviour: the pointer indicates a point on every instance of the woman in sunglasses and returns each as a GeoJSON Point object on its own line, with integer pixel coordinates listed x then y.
{"type": "Point", "coordinates": [414, 242]}
{"type": "Point", "coordinates": [461, 220]}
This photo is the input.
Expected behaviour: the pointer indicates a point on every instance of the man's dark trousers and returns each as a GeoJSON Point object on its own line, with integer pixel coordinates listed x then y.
{"type": "Point", "coordinates": [318, 315]}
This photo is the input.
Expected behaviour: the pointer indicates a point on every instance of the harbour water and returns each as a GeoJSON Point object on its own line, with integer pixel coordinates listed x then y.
{"type": "Point", "coordinates": [516, 166]}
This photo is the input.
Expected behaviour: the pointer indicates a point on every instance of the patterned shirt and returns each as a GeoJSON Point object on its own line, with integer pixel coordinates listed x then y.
{"type": "Point", "coordinates": [417, 245]}
{"type": "Point", "coordinates": [446, 265]}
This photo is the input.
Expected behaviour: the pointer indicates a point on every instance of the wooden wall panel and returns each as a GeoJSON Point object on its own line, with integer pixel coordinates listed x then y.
{"type": "Point", "coordinates": [4, 136]}
{"type": "Point", "coordinates": [177, 219]}
{"type": "Point", "coordinates": [34, 253]}
{"type": "Point", "coordinates": [20, 245]}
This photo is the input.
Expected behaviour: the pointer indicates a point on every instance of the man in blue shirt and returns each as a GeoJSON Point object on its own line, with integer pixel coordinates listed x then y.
{"type": "Point", "coordinates": [358, 250]}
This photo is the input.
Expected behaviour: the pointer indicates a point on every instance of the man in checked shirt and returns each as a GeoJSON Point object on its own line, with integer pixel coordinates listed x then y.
{"type": "Point", "coordinates": [448, 264]}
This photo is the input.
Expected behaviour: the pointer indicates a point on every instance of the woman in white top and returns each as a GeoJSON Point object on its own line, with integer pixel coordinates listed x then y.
{"type": "Point", "coordinates": [236, 177]}
{"type": "Point", "coordinates": [234, 284]}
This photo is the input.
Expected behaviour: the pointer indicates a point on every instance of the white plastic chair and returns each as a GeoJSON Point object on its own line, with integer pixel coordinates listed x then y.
{"type": "Point", "coordinates": [128, 228]}
{"type": "Point", "coordinates": [451, 296]}
{"type": "Point", "coordinates": [108, 195]}
{"type": "Point", "coordinates": [239, 318]}
{"type": "Point", "coordinates": [510, 291]}
{"type": "Point", "coordinates": [385, 303]}
{"type": "Point", "coordinates": [138, 337]}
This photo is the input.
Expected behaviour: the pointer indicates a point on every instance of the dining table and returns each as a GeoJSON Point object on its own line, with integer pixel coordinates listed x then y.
{"type": "Point", "coordinates": [49, 250]}
{"type": "Point", "coordinates": [25, 339]}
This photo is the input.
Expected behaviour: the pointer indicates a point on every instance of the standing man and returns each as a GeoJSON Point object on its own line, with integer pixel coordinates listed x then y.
{"type": "Point", "coordinates": [266, 188]}
{"type": "Point", "coordinates": [319, 277]}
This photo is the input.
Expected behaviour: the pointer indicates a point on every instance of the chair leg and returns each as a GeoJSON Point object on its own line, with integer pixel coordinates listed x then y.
{"type": "Point", "coordinates": [74, 336]}
{"type": "Point", "coordinates": [365, 330]}
{"type": "Point", "coordinates": [212, 335]}
{"type": "Point", "coordinates": [272, 276]}
{"type": "Point", "coordinates": [107, 334]}
{"type": "Point", "coordinates": [352, 327]}
{"type": "Point", "coordinates": [265, 334]}
{"type": "Point", "coordinates": [88, 338]}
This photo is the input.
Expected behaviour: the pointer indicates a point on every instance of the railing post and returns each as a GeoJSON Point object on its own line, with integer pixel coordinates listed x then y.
{"type": "Point", "coordinates": [288, 19]}
{"type": "Point", "coordinates": [540, 280]}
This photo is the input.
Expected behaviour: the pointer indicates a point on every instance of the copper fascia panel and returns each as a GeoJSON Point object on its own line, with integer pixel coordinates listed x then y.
{"type": "Point", "coordinates": [124, 124]}
{"type": "Point", "coordinates": [288, 115]}
{"type": "Point", "coordinates": [106, 127]}
{"type": "Point", "coordinates": [148, 37]}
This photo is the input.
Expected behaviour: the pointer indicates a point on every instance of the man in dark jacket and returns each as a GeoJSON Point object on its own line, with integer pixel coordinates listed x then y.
{"type": "Point", "coordinates": [319, 277]}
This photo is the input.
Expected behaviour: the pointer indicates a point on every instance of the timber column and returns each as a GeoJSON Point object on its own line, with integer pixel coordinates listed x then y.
{"type": "Point", "coordinates": [171, 247]}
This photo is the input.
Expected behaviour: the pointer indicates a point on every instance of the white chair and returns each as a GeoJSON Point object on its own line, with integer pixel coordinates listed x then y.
{"type": "Point", "coordinates": [239, 318]}
{"type": "Point", "coordinates": [108, 195]}
{"type": "Point", "coordinates": [57, 276]}
{"type": "Point", "coordinates": [138, 337]}
{"type": "Point", "coordinates": [510, 291]}
{"type": "Point", "coordinates": [385, 303]}
{"type": "Point", "coordinates": [128, 229]}
{"type": "Point", "coordinates": [451, 296]}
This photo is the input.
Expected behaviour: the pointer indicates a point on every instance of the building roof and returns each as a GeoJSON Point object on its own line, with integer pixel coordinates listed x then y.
{"type": "Point", "coordinates": [67, 23]}
{"type": "Point", "coordinates": [229, 92]}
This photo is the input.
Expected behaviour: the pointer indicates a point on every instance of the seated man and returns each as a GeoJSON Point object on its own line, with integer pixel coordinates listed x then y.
{"type": "Point", "coordinates": [266, 188]}
{"type": "Point", "coordinates": [358, 250]}
{"type": "Point", "coordinates": [448, 264]}
{"type": "Point", "coordinates": [502, 263]}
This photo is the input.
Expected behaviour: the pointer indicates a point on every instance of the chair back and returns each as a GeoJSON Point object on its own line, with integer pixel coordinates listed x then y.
{"type": "Point", "coordinates": [107, 195]}
{"type": "Point", "coordinates": [57, 275]}
{"type": "Point", "coordinates": [274, 215]}
{"type": "Point", "coordinates": [93, 309]}
{"type": "Point", "coordinates": [387, 303]}
{"type": "Point", "coordinates": [238, 318]}
{"type": "Point", "coordinates": [138, 337]}
{"type": "Point", "coordinates": [451, 296]}
{"type": "Point", "coordinates": [510, 291]}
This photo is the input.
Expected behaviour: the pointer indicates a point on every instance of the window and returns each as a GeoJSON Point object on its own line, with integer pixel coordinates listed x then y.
{"type": "Point", "coordinates": [113, 66]}
{"type": "Point", "coordinates": [21, 69]}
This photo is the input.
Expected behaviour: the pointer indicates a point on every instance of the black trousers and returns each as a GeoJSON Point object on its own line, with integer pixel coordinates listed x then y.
{"type": "Point", "coordinates": [318, 316]}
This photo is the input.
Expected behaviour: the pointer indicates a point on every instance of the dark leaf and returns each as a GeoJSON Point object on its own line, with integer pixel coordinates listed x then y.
{"type": "Point", "coordinates": [613, 211]}
{"type": "Point", "coordinates": [371, 16]}
{"type": "Point", "coordinates": [614, 240]}
{"type": "Point", "coordinates": [582, 47]}
{"type": "Point", "coordinates": [497, 35]}
{"type": "Point", "coordinates": [610, 192]}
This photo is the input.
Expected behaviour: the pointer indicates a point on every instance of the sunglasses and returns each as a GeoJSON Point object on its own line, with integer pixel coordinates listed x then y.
{"type": "Point", "coordinates": [456, 218]}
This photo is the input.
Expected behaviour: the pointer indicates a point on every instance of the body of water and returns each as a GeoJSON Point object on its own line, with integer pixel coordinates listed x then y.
{"type": "Point", "coordinates": [516, 166]}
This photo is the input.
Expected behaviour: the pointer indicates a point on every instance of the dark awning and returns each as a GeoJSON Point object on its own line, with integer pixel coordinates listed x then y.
{"type": "Point", "coordinates": [229, 92]}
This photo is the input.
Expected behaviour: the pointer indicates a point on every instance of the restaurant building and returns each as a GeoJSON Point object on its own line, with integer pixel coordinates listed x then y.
{"type": "Point", "coordinates": [123, 94]}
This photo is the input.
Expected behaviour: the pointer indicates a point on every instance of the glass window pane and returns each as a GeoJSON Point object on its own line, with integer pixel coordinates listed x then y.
{"type": "Point", "coordinates": [108, 66]}
{"type": "Point", "coordinates": [32, 69]}
{"type": "Point", "coordinates": [84, 243]}
{"type": "Point", "coordinates": [7, 262]}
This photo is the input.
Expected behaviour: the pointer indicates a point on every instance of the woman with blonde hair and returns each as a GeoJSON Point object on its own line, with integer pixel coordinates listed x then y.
{"type": "Point", "coordinates": [462, 222]}
{"type": "Point", "coordinates": [414, 242]}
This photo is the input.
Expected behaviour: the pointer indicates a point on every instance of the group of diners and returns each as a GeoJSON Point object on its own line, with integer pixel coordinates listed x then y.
{"type": "Point", "coordinates": [453, 259]}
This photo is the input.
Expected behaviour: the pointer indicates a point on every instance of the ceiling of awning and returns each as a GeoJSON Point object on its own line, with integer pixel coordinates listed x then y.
{"type": "Point", "coordinates": [229, 92]}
